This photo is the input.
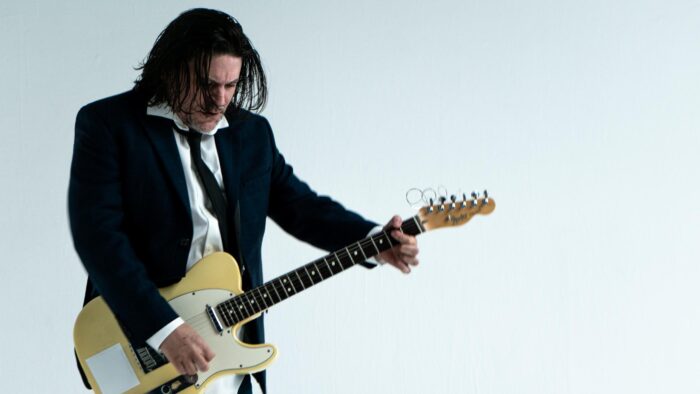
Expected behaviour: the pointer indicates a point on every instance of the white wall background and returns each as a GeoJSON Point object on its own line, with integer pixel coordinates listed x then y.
{"type": "Point", "coordinates": [581, 118]}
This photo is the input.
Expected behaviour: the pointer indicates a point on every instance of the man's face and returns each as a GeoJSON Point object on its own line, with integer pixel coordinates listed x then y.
{"type": "Point", "coordinates": [224, 71]}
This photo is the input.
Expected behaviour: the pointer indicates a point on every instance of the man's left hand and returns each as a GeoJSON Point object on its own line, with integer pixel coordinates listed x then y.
{"type": "Point", "coordinates": [404, 255]}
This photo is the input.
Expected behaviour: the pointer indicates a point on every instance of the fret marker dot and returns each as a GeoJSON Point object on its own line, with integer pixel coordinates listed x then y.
{"type": "Point", "coordinates": [380, 241]}
{"type": "Point", "coordinates": [284, 280]}
{"type": "Point", "coordinates": [313, 273]}
{"type": "Point", "coordinates": [240, 306]}
{"type": "Point", "coordinates": [265, 295]}
{"type": "Point", "coordinates": [252, 301]}
{"type": "Point", "coordinates": [355, 253]}
{"type": "Point", "coordinates": [289, 289]}
{"type": "Point", "coordinates": [332, 262]}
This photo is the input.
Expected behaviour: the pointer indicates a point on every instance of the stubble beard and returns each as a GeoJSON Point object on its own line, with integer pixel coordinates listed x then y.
{"type": "Point", "coordinates": [201, 126]}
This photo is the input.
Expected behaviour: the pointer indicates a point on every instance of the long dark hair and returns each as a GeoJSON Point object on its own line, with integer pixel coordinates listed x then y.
{"type": "Point", "coordinates": [179, 62]}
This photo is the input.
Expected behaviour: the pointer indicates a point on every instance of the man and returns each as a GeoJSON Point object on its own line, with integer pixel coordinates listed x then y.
{"type": "Point", "coordinates": [178, 168]}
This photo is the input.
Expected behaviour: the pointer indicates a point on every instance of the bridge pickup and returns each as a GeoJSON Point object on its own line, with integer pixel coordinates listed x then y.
{"type": "Point", "coordinates": [214, 319]}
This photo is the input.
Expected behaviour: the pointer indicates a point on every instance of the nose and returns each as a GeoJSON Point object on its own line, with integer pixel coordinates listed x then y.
{"type": "Point", "coordinates": [219, 95]}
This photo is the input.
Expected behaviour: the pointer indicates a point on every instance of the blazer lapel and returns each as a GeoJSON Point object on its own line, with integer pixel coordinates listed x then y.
{"type": "Point", "coordinates": [160, 132]}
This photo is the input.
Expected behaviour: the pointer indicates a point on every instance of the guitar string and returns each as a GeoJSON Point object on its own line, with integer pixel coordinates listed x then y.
{"type": "Point", "coordinates": [202, 320]}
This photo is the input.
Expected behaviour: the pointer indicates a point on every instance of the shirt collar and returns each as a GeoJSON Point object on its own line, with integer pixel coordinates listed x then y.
{"type": "Point", "coordinates": [164, 111]}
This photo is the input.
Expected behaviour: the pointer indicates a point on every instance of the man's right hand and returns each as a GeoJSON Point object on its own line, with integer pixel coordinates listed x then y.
{"type": "Point", "coordinates": [187, 351]}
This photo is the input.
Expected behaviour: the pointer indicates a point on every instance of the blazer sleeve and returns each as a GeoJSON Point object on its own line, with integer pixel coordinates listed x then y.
{"type": "Point", "coordinates": [96, 214]}
{"type": "Point", "coordinates": [312, 218]}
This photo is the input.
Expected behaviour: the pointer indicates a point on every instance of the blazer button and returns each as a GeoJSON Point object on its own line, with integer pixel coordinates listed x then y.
{"type": "Point", "coordinates": [185, 242]}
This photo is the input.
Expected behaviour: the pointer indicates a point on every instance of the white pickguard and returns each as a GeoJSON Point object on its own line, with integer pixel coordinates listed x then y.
{"type": "Point", "coordinates": [232, 356]}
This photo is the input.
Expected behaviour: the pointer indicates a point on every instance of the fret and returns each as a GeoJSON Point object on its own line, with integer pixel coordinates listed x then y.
{"type": "Point", "coordinates": [306, 277]}
{"type": "Point", "coordinates": [261, 298]}
{"type": "Point", "coordinates": [223, 312]}
{"type": "Point", "coordinates": [267, 301]}
{"type": "Point", "coordinates": [288, 286]}
{"type": "Point", "coordinates": [301, 281]}
{"type": "Point", "coordinates": [319, 266]}
{"type": "Point", "coordinates": [418, 226]}
{"type": "Point", "coordinates": [359, 246]}
{"type": "Point", "coordinates": [252, 303]}
{"type": "Point", "coordinates": [350, 254]}
{"type": "Point", "coordinates": [386, 242]}
{"type": "Point", "coordinates": [240, 307]}
{"type": "Point", "coordinates": [230, 311]}
{"type": "Point", "coordinates": [342, 261]}
{"type": "Point", "coordinates": [245, 300]}
{"type": "Point", "coordinates": [272, 284]}
{"type": "Point", "coordinates": [281, 285]}
{"type": "Point", "coordinates": [377, 251]}
{"type": "Point", "coordinates": [367, 247]}
{"type": "Point", "coordinates": [334, 265]}
{"type": "Point", "coordinates": [312, 275]}
{"type": "Point", "coordinates": [330, 271]}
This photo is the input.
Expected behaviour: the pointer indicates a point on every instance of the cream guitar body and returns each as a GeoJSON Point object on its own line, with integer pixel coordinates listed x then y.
{"type": "Point", "coordinates": [210, 299]}
{"type": "Point", "coordinates": [211, 281]}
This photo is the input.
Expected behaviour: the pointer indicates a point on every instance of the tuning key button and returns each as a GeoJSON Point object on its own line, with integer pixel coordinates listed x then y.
{"type": "Point", "coordinates": [464, 200]}
{"type": "Point", "coordinates": [441, 207]}
{"type": "Point", "coordinates": [430, 207]}
{"type": "Point", "coordinates": [486, 197]}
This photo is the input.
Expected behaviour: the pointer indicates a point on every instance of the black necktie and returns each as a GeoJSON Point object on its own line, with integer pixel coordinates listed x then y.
{"type": "Point", "coordinates": [211, 186]}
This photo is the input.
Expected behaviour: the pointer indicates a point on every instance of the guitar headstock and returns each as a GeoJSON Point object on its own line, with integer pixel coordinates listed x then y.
{"type": "Point", "coordinates": [453, 212]}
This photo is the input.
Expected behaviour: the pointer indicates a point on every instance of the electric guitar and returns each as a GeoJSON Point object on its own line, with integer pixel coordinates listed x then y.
{"type": "Point", "coordinates": [210, 299]}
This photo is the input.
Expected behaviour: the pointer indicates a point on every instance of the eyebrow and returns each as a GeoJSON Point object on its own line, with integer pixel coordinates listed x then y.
{"type": "Point", "coordinates": [224, 83]}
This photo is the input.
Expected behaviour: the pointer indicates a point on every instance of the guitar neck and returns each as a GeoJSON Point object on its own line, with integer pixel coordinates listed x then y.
{"type": "Point", "coordinates": [263, 297]}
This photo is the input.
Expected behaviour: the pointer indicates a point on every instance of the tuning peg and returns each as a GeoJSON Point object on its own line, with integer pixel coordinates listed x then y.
{"type": "Point", "coordinates": [486, 197]}
{"type": "Point", "coordinates": [442, 203]}
{"type": "Point", "coordinates": [430, 207]}
{"type": "Point", "coordinates": [464, 200]}
{"type": "Point", "coordinates": [453, 198]}
{"type": "Point", "coordinates": [475, 198]}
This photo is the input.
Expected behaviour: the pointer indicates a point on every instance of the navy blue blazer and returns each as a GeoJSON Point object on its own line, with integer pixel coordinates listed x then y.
{"type": "Point", "coordinates": [130, 215]}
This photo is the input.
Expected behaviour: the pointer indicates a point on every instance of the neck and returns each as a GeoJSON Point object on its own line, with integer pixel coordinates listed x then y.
{"type": "Point", "coordinates": [263, 297]}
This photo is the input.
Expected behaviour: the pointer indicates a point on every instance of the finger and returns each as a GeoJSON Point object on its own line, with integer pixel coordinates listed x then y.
{"type": "Point", "coordinates": [401, 266]}
{"type": "Point", "coordinates": [189, 368]}
{"type": "Point", "coordinates": [180, 368]}
{"type": "Point", "coordinates": [408, 250]}
{"type": "Point", "coordinates": [201, 363]}
{"type": "Point", "coordinates": [394, 222]}
{"type": "Point", "coordinates": [208, 353]}
{"type": "Point", "coordinates": [403, 238]}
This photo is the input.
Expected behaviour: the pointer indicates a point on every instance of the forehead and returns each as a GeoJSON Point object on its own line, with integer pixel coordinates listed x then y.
{"type": "Point", "coordinates": [225, 68]}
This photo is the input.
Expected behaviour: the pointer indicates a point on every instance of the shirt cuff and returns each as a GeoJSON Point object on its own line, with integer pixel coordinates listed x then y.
{"type": "Point", "coordinates": [375, 259]}
{"type": "Point", "coordinates": [157, 339]}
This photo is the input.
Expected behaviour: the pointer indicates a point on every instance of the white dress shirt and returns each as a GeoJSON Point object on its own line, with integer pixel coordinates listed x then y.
{"type": "Point", "coordinates": [206, 237]}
